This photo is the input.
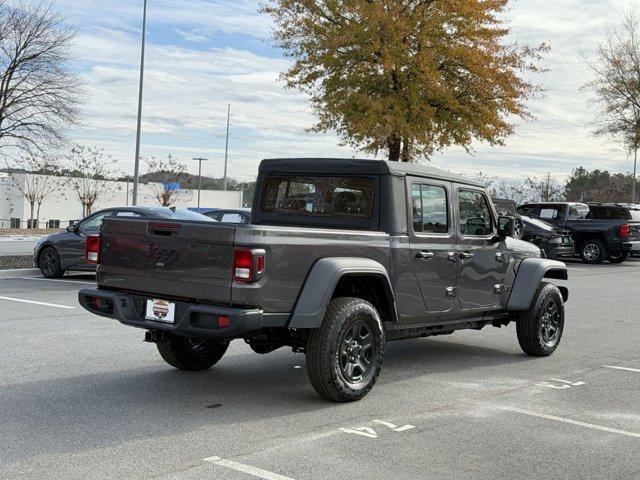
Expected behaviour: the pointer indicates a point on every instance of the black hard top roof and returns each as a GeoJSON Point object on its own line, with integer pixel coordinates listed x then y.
{"type": "Point", "coordinates": [343, 166]}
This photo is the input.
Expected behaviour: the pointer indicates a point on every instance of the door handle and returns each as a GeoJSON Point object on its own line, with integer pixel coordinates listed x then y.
{"type": "Point", "coordinates": [425, 255]}
{"type": "Point", "coordinates": [465, 255]}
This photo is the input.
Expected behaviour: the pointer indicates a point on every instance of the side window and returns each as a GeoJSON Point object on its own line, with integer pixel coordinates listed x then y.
{"type": "Point", "coordinates": [430, 210]}
{"type": "Point", "coordinates": [94, 222]}
{"type": "Point", "coordinates": [577, 212]}
{"type": "Point", "coordinates": [475, 214]}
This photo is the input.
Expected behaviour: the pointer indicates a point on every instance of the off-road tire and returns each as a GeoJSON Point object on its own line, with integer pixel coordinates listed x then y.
{"type": "Point", "coordinates": [529, 324]}
{"type": "Point", "coordinates": [618, 257]}
{"type": "Point", "coordinates": [324, 345]}
{"type": "Point", "coordinates": [184, 353]}
{"type": "Point", "coordinates": [593, 244]}
{"type": "Point", "coordinates": [49, 263]}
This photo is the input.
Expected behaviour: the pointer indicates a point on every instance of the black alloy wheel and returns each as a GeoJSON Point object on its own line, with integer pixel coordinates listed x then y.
{"type": "Point", "coordinates": [550, 327]}
{"type": "Point", "coordinates": [357, 352]}
{"type": "Point", "coordinates": [49, 263]}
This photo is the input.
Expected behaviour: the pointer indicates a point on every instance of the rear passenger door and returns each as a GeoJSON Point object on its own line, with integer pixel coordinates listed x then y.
{"type": "Point", "coordinates": [432, 242]}
{"type": "Point", "coordinates": [479, 256]}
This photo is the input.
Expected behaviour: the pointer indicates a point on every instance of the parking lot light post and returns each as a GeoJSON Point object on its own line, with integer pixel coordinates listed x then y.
{"type": "Point", "coordinates": [200, 160]}
{"type": "Point", "coordinates": [136, 168]}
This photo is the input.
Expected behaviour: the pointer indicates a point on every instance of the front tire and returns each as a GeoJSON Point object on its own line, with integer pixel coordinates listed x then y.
{"type": "Point", "coordinates": [593, 252]}
{"type": "Point", "coordinates": [344, 355]}
{"type": "Point", "coordinates": [49, 263]}
{"type": "Point", "coordinates": [618, 257]}
{"type": "Point", "coordinates": [540, 328]}
{"type": "Point", "coordinates": [186, 353]}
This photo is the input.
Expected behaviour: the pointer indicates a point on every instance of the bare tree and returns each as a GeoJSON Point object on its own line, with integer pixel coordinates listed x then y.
{"type": "Point", "coordinates": [37, 178]}
{"type": "Point", "coordinates": [39, 93]}
{"type": "Point", "coordinates": [165, 175]}
{"type": "Point", "coordinates": [91, 175]}
{"type": "Point", "coordinates": [616, 87]}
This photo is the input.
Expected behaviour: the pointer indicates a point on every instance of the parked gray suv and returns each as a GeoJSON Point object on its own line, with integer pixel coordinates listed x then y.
{"type": "Point", "coordinates": [340, 257]}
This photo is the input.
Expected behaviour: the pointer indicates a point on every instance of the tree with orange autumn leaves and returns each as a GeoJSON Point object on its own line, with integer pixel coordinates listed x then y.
{"type": "Point", "coordinates": [408, 77]}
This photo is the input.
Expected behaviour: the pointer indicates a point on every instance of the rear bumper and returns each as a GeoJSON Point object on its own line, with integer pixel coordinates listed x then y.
{"type": "Point", "coordinates": [562, 251]}
{"type": "Point", "coordinates": [193, 320]}
{"type": "Point", "coordinates": [634, 246]}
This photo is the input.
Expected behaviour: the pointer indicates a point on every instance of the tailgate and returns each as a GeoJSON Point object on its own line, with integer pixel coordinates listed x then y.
{"type": "Point", "coordinates": [169, 259]}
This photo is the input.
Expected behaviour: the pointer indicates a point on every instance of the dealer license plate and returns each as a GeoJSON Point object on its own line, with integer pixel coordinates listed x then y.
{"type": "Point", "coordinates": [161, 311]}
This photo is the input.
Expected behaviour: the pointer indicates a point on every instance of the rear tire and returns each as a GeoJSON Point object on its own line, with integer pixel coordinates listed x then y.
{"type": "Point", "coordinates": [593, 251]}
{"type": "Point", "coordinates": [49, 263]}
{"type": "Point", "coordinates": [344, 355]}
{"type": "Point", "coordinates": [540, 328]}
{"type": "Point", "coordinates": [185, 353]}
{"type": "Point", "coordinates": [618, 257]}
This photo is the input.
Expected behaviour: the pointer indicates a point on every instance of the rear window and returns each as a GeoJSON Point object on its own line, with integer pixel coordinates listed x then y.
{"type": "Point", "coordinates": [549, 212]}
{"type": "Point", "coordinates": [318, 197]}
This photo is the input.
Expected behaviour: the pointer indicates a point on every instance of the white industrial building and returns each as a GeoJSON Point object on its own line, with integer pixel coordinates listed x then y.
{"type": "Point", "coordinates": [62, 206]}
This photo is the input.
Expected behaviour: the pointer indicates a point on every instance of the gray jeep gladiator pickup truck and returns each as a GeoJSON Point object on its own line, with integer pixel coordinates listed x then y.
{"type": "Point", "coordinates": [340, 257]}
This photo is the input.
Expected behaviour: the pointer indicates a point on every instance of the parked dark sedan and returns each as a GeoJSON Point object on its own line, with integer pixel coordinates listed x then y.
{"type": "Point", "coordinates": [553, 241]}
{"type": "Point", "coordinates": [65, 251]}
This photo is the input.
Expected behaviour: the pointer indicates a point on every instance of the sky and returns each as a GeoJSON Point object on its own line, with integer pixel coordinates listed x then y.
{"type": "Point", "coordinates": [203, 54]}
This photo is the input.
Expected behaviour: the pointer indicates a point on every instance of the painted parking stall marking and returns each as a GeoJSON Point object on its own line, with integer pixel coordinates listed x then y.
{"type": "Point", "coordinates": [625, 369]}
{"type": "Point", "coordinates": [558, 384]}
{"type": "Point", "coordinates": [571, 422]}
{"type": "Point", "coordinates": [371, 433]}
{"type": "Point", "coordinates": [241, 467]}
{"type": "Point", "coordinates": [20, 300]}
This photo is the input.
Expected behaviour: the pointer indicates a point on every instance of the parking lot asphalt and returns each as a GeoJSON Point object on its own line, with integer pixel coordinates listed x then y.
{"type": "Point", "coordinates": [17, 247]}
{"type": "Point", "coordinates": [84, 397]}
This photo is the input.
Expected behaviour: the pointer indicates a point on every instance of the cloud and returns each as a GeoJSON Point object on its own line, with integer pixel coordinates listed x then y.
{"type": "Point", "coordinates": [203, 54]}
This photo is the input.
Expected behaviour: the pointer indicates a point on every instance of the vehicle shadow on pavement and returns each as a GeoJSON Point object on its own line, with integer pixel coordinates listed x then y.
{"type": "Point", "coordinates": [109, 408]}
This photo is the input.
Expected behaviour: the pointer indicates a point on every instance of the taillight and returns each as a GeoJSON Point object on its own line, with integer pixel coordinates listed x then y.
{"type": "Point", "coordinates": [248, 264]}
{"type": "Point", "coordinates": [92, 249]}
{"type": "Point", "coordinates": [625, 230]}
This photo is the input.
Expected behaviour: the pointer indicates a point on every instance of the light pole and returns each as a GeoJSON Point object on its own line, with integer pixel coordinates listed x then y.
{"type": "Point", "coordinates": [200, 160]}
{"type": "Point", "coordinates": [226, 148]}
{"type": "Point", "coordinates": [136, 169]}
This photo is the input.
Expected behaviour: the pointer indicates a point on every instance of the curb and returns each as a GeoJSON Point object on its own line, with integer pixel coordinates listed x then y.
{"type": "Point", "coordinates": [20, 273]}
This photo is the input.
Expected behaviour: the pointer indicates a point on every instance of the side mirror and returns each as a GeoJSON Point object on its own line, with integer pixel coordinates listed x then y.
{"type": "Point", "coordinates": [71, 228]}
{"type": "Point", "coordinates": [506, 227]}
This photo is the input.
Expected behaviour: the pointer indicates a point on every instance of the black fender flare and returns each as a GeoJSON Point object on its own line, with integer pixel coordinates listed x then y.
{"type": "Point", "coordinates": [321, 282]}
{"type": "Point", "coordinates": [530, 273]}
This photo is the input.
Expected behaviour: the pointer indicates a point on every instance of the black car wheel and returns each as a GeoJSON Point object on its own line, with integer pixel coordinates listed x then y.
{"type": "Point", "coordinates": [540, 328]}
{"type": "Point", "coordinates": [344, 355]}
{"type": "Point", "coordinates": [49, 263]}
{"type": "Point", "coordinates": [593, 252]}
{"type": "Point", "coordinates": [618, 257]}
{"type": "Point", "coordinates": [186, 353]}
{"type": "Point", "coordinates": [518, 227]}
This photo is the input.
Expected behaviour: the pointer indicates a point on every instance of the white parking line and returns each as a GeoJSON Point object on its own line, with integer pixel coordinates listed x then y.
{"type": "Point", "coordinates": [626, 369]}
{"type": "Point", "coordinates": [241, 467]}
{"type": "Point", "coordinates": [572, 422]}
{"type": "Point", "coordinates": [35, 303]}
{"type": "Point", "coordinates": [51, 280]}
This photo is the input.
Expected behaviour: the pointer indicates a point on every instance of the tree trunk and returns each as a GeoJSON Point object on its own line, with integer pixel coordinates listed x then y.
{"type": "Point", "coordinates": [32, 204]}
{"type": "Point", "coordinates": [635, 173]}
{"type": "Point", "coordinates": [394, 145]}
{"type": "Point", "coordinates": [38, 214]}
{"type": "Point", "coordinates": [406, 150]}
